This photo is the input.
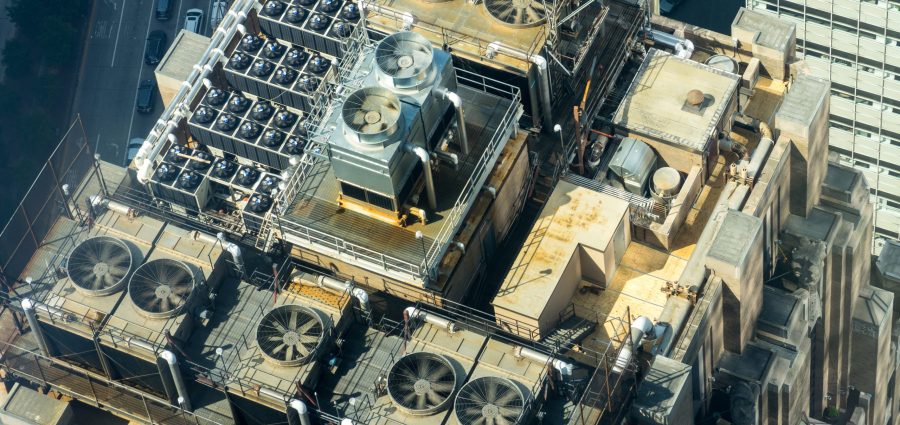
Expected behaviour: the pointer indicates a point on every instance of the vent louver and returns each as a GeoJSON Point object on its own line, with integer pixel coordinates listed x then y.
{"type": "Point", "coordinates": [99, 265]}
{"type": "Point", "coordinates": [161, 288]}
{"type": "Point", "coordinates": [421, 383]}
{"type": "Point", "coordinates": [291, 335]}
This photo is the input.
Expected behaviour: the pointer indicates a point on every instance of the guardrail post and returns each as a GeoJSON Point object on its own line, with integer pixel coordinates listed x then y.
{"type": "Point", "coordinates": [147, 409]}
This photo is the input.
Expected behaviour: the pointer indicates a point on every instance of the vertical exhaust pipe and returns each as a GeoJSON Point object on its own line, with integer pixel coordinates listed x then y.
{"type": "Point", "coordinates": [426, 169]}
{"type": "Point", "coordinates": [460, 117]}
{"type": "Point", "coordinates": [180, 386]}
{"type": "Point", "coordinates": [28, 307]}
{"type": "Point", "coordinates": [301, 410]}
{"type": "Point", "coordinates": [639, 327]}
{"type": "Point", "coordinates": [543, 75]}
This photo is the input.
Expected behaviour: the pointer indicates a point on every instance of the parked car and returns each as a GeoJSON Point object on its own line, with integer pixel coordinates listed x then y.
{"type": "Point", "coordinates": [666, 6]}
{"type": "Point", "coordinates": [193, 20]}
{"type": "Point", "coordinates": [164, 9]}
{"type": "Point", "coordinates": [217, 13]}
{"type": "Point", "coordinates": [156, 47]}
{"type": "Point", "coordinates": [146, 96]}
{"type": "Point", "coordinates": [133, 147]}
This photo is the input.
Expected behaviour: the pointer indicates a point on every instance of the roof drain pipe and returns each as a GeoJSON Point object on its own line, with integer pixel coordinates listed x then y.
{"type": "Point", "coordinates": [460, 117]}
{"type": "Point", "coordinates": [28, 307]}
{"type": "Point", "coordinates": [543, 73]}
{"type": "Point", "coordinates": [183, 399]}
{"type": "Point", "coordinates": [426, 169]}
{"type": "Point", "coordinates": [639, 327]}
{"type": "Point", "coordinates": [414, 313]}
{"type": "Point", "coordinates": [526, 353]}
{"type": "Point", "coordinates": [346, 286]}
{"type": "Point", "coordinates": [301, 410]}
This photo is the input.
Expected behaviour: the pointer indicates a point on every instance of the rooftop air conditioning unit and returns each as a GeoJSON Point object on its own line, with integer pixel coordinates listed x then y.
{"type": "Point", "coordinates": [161, 288]}
{"type": "Point", "coordinates": [490, 400]}
{"type": "Point", "coordinates": [99, 265]}
{"type": "Point", "coordinates": [292, 335]}
{"type": "Point", "coordinates": [422, 384]}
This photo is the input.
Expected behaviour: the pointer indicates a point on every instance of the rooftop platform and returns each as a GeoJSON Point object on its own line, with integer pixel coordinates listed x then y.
{"type": "Point", "coordinates": [466, 27]}
{"type": "Point", "coordinates": [768, 30]}
{"type": "Point", "coordinates": [571, 240]}
{"type": "Point", "coordinates": [656, 104]}
{"type": "Point", "coordinates": [316, 221]}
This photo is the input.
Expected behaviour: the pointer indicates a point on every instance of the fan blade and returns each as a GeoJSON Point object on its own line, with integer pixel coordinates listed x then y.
{"type": "Point", "coordinates": [275, 338]}
{"type": "Point", "coordinates": [510, 414]}
{"type": "Point", "coordinates": [165, 304]}
{"type": "Point", "coordinates": [504, 399]}
{"type": "Point", "coordinates": [279, 348]}
{"type": "Point", "coordinates": [443, 386]}
{"type": "Point", "coordinates": [97, 283]}
{"type": "Point", "coordinates": [437, 372]}
{"type": "Point", "coordinates": [420, 401]}
{"type": "Point", "coordinates": [307, 326]}
{"type": "Point", "coordinates": [409, 397]}
{"type": "Point", "coordinates": [490, 392]}
{"type": "Point", "coordinates": [108, 280]}
{"type": "Point", "coordinates": [292, 322]}
{"type": "Point", "coordinates": [434, 398]}
{"type": "Point", "coordinates": [359, 118]}
{"type": "Point", "coordinates": [289, 355]}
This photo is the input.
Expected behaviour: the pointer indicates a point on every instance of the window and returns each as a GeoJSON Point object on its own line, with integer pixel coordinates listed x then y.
{"type": "Point", "coordinates": [863, 133]}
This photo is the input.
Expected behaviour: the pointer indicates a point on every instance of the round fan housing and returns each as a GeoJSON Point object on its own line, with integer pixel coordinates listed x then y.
{"type": "Point", "coordinates": [405, 59]}
{"type": "Point", "coordinates": [249, 130]}
{"type": "Point", "coordinates": [329, 6]}
{"type": "Point", "coordinates": [166, 173]}
{"type": "Point", "coordinates": [350, 12]}
{"type": "Point", "coordinates": [422, 383]}
{"type": "Point", "coordinates": [204, 115]}
{"type": "Point", "coordinates": [178, 154]}
{"type": "Point", "coordinates": [342, 29]}
{"type": "Point", "coordinates": [273, 50]}
{"type": "Point", "coordinates": [285, 76]}
{"type": "Point", "coordinates": [189, 180]}
{"type": "Point", "coordinates": [296, 15]}
{"type": "Point", "coordinates": [247, 177]}
{"type": "Point", "coordinates": [216, 96]}
{"type": "Point", "coordinates": [272, 138]}
{"type": "Point", "coordinates": [517, 13]}
{"type": "Point", "coordinates": [239, 61]}
{"type": "Point", "coordinates": [318, 65]}
{"type": "Point", "coordinates": [319, 22]}
{"type": "Point", "coordinates": [227, 122]}
{"type": "Point", "coordinates": [238, 104]}
{"type": "Point", "coordinates": [295, 145]}
{"type": "Point", "coordinates": [296, 57]}
{"type": "Point", "coordinates": [99, 265]}
{"type": "Point", "coordinates": [259, 203]}
{"type": "Point", "coordinates": [372, 113]}
{"type": "Point", "coordinates": [308, 83]}
{"type": "Point", "coordinates": [489, 400]}
{"type": "Point", "coordinates": [202, 160]}
{"type": "Point", "coordinates": [224, 169]}
{"type": "Point", "coordinates": [291, 335]}
{"type": "Point", "coordinates": [284, 118]}
{"type": "Point", "coordinates": [251, 43]}
{"type": "Point", "coordinates": [161, 288]}
{"type": "Point", "coordinates": [273, 8]}
{"type": "Point", "coordinates": [262, 111]}
{"type": "Point", "coordinates": [268, 184]}
{"type": "Point", "coordinates": [262, 68]}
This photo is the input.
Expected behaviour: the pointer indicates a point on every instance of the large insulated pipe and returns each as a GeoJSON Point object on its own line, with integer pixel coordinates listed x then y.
{"type": "Point", "coordinates": [426, 169]}
{"type": "Point", "coordinates": [345, 286]}
{"type": "Point", "coordinates": [736, 201]}
{"type": "Point", "coordinates": [302, 411]}
{"type": "Point", "coordinates": [540, 65]}
{"type": "Point", "coordinates": [172, 361]}
{"type": "Point", "coordinates": [417, 314]}
{"type": "Point", "coordinates": [460, 117]}
{"type": "Point", "coordinates": [639, 327]}
{"type": "Point", "coordinates": [761, 152]}
{"type": "Point", "coordinates": [526, 353]}
{"type": "Point", "coordinates": [28, 307]}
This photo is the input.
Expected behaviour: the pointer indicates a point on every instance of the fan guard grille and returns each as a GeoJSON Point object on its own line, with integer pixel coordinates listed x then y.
{"type": "Point", "coordinates": [291, 335]}
{"type": "Point", "coordinates": [406, 58]}
{"type": "Point", "coordinates": [422, 383]}
{"type": "Point", "coordinates": [489, 400]}
{"type": "Point", "coordinates": [517, 13]}
{"type": "Point", "coordinates": [372, 113]}
{"type": "Point", "coordinates": [99, 265]}
{"type": "Point", "coordinates": [161, 288]}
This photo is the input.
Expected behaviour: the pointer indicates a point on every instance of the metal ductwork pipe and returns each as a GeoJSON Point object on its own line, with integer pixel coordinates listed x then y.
{"type": "Point", "coordinates": [180, 386]}
{"type": "Point", "coordinates": [120, 208]}
{"type": "Point", "coordinates": [236, 255]}
{"type": "Point", "coordinates": [426, 169]}
{"type": "Point", "coordinates": [526, 353]}
{"type": "Point", "coordinates": [28, 307]}
{"type": "Point", "coordinates": [543, 75]}
{"type": "Point", "coordinates": [639, 327]}
{"type": "Point", "coordinates": [460, 117]}
{"type": "Point", "coordinates": [736, 201]}
{"type": "Point", "coordinates": [416, 314]}
{"type": "Point", "coordinates": [345, 286]}
{"type": "Point", "coordinates": [460, 246]}
{"type": "Point", "coordinates": [204, 237]}
{"type": "Point", "coordinates": [301, 410]}
{"type": "Point", "coordinates": [759, 156]}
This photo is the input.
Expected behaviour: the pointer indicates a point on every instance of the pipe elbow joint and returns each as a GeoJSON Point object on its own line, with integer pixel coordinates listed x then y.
{"type": "Point", "coordinates": [169, 357]}
{"type": "Point", "coordinates": [539, 61]}
{"type": "Point", "coordinates": [299, 407]}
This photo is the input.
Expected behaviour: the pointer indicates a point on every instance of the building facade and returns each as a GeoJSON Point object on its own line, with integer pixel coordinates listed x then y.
{"type": "Point", "coordinates": [856, 45]}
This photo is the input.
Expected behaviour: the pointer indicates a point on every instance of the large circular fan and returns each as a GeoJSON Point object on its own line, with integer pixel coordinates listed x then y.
{"type": "Point", "coordinates": [99, 265]}
{"type": "Point", "coordinates": [517, 13]}
{"type": "Point", "coordinates": [291, 335]}
{"type": "Point", "coordinates": [372, 113]}
{"type": "Point", "coordinates": [489, 400]}
{"type": "Point", "coordinates": [161, 288]}
{"type": "Point", "coordinates": [405, 57]}
{"type": "Point", "coordinates": [421, 383]}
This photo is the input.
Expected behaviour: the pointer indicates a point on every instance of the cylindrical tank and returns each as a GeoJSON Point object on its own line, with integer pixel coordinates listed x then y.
{"type": "Point", "coordinates": [666, 183]}
{"type": "Point", "coordinates": [725, 63]}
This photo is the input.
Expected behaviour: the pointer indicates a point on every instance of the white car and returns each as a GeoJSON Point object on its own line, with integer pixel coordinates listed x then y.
{"type": "Point", "coordinates": [133, 147]}
{"type": "Point", "coordinates": [193, 20]}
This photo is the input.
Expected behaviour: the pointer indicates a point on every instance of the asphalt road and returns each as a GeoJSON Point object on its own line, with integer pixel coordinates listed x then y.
{"type": "Point", "coordinates": [113, 66]}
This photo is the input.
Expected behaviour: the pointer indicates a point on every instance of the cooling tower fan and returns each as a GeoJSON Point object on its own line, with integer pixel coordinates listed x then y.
{"type": "Point", "coordinates": [372, 113]}
{"type": "Point", "coordinates": [291, 335]}
{"type": "Point", "coordinates": [517, 13]}
{"type": "Point", "coordinates": [98, 266]}
{"type": "Point", "coordinates": [422, 383]}
{"type": "Point", "coordinates": [489, 400]}
{"type": "Point", "coordinates": [161, 288]}
{"type": "Point", "coordinates": [405, 58]}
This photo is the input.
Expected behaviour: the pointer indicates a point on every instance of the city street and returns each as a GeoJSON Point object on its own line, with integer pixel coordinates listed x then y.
{"type": "Point", "coordinates": [113, 66]}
